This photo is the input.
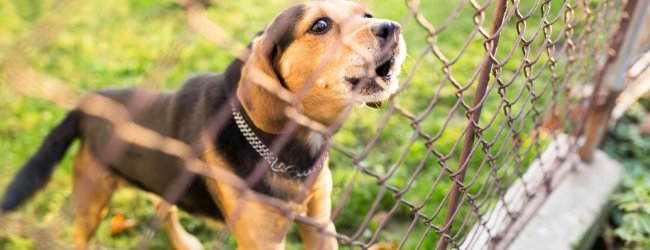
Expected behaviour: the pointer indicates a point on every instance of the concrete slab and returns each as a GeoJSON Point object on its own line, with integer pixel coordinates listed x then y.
{"type": "Point", "coordinates": [568, 216]}
{"type": "Point", "coordinates": [501, 224]}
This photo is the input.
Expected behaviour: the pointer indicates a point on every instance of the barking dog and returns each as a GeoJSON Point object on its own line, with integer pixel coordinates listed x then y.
{"type": "Point", "coordinates": [329, 55]}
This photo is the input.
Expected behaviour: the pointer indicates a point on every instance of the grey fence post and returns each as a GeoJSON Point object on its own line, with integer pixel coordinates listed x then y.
{"type": "Point", "coordinates": [612, 76]}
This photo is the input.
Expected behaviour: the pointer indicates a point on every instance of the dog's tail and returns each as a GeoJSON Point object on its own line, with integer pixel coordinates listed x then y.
{"type": "Point", "coordinates": [38, 170]}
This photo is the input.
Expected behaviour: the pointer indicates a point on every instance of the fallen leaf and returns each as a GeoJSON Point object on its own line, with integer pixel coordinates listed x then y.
{"type": "Point", "coordinates": [383, 246]}
{"type": "Point", "coordinates": [119, 224]}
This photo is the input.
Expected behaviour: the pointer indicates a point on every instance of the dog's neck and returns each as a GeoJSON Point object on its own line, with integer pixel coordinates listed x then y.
{"type": "Point", "coordinates": [314, 140]}
{"type": "Point", "coordinates": [303, 147]}
{"type": "Point", "coordinates": [258, 111]}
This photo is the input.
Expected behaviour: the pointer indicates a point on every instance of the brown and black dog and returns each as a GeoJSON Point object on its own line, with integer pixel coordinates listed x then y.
{"type": "Point", "coordinates": [331, 54]}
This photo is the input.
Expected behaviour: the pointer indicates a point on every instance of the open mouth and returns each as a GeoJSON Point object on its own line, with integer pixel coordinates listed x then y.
{"type": "Point", "coordinates": [382, 71]}
{"type": "Point", "coordinates": [374, 88]}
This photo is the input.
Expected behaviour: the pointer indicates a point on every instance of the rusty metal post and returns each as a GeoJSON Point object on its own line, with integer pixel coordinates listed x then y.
{"type": "Point", "coordinates": [612, 76]}
{"type": "Point", "coordinates": [475, 112]}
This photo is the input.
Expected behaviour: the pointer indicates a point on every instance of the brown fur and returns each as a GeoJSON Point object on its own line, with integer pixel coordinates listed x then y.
{"type": "Point", "coordinates": [312, 73]}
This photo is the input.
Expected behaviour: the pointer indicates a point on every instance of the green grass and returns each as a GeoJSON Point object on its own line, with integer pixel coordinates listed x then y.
{"type": "Point", "coordinates": [113, 44]}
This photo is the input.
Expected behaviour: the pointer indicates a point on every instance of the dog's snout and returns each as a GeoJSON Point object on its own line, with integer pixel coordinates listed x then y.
{"type": "Point", "coordinates": [385, 30]}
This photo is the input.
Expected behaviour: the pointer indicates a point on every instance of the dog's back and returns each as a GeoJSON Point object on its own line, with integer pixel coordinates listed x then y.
{"type": "Point", "coordinates": [180, 115]}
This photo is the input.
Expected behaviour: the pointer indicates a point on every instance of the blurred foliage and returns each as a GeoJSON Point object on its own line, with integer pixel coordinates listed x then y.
{"type": "Point", "coordinates": [631, 216]}
{"type": "Point", "coordinates": [114, 44]}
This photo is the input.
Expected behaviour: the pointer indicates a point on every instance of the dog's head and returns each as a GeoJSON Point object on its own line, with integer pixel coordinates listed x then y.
{"type": "Point", "coordinates": [330, 54]}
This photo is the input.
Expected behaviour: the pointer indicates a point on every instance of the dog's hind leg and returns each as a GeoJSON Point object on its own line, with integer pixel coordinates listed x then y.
{"type": "Point", "coordinates": [180, 239]}
{"type": "Point", "coordinates": [93, 187]}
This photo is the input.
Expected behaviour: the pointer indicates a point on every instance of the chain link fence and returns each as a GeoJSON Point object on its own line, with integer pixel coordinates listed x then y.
{"type": "Point", "coordinates": [494, 98]}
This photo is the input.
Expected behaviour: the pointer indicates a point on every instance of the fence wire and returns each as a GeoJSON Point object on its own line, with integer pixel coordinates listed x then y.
{"type": "Point", "coordinates": [439, 164]}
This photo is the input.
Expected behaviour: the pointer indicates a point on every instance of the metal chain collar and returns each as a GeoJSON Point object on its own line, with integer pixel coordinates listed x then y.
{"type": "Point", "coordinates": [274, 162]}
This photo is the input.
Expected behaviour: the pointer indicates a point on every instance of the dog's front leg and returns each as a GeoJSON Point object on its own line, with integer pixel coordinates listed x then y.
{"type": "Point", "coordinates": [319, 207]}
{"type": "Point", "coordinates": [180, 239]}
{"type": "Point", "coordinates": [254, 224]}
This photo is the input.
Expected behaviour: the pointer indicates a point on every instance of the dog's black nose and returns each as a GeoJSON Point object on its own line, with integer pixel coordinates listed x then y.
{"type": "Point", "coordinates": [385, 31]}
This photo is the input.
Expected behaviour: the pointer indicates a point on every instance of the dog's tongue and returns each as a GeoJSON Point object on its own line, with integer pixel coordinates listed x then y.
{"type": "Point", "coordinates": [374, 105]}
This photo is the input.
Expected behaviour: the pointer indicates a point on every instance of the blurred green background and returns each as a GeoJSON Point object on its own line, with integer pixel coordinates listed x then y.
{"type": "Point", "coordinates": [117, 44]}
{"type": "Point", "coordinates": [628, 225]}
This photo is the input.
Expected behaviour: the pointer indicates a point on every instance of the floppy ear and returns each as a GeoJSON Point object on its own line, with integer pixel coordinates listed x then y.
{"type": "Point", "coordinates": [260, 79]}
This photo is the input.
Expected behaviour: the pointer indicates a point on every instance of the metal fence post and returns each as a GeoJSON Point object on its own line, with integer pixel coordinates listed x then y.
{"type": "Point", "coordinates": [612, 76]}
{"type": "Point", "coordinates": [475, 113]}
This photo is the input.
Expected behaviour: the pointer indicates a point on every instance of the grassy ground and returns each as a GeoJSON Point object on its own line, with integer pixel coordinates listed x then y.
{"type": "Point", "coordinates": [117, 43]}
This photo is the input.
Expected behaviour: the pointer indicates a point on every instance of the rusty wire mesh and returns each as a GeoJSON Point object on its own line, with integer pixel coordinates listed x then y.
{"type": "Point", "coordinates": [471, 117]}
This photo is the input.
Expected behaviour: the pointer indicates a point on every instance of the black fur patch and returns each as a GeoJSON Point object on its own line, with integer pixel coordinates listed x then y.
{"type": "Point", "coordinates": [196, 198]}
{"type": "Point", "coordinates": [295, 15]}
{"type": "Point", "coordinates": [285, 35]}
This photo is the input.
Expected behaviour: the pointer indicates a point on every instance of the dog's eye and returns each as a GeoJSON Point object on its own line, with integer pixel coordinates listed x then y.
{"type": "Point", "coordinates": [320, 26]}
{"type": "Point", "coordinates": [367, 15]}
